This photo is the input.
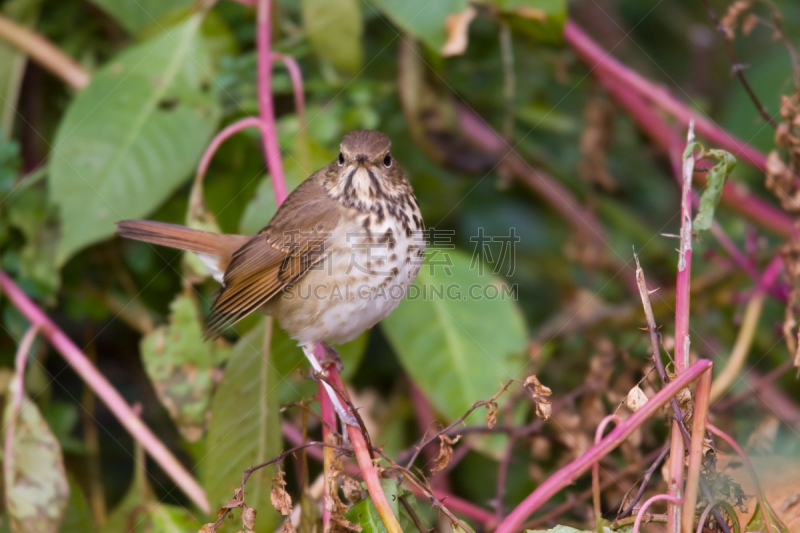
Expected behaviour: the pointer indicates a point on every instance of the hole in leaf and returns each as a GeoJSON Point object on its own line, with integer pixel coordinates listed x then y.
{"type": "Point", "coordinates": [168, 104]}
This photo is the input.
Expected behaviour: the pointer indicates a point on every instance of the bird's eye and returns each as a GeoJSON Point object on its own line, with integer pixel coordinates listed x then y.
{"type": "Point", "coordinates": [387, 161]}
{"type": "Point", "coordinates": [341, 159]}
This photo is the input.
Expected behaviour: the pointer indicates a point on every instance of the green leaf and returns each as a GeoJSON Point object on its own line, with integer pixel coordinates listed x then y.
{"type": "Point", "coordinates": [757, 522]}
{"type": "Point", "coordinates": [78, 517]}
{"type": "Point", "coordinates": [715, 181]}
{"type": "Point", "coordinates": [181, 366]}
{"type": "Point", "coordinates": [35, 481]}
{"type": "Point", "coordinates": [424, 19]}
{"type": "Point", "coordinates": [457, 342]}
{"type": "Point", "coordinates": [366, 515]}
{"type": "Point", "coordinates": [245, 429]}
{"type": "Point", "coordinates": [132, 136]}
{"type": "Point", "coordinates": [137, 14]}
{"type": "Point", "coordinates": [335, 30]}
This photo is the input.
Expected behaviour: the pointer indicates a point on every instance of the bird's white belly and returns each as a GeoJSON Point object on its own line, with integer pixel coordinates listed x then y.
{"type": "Point", "coordinates": [361, 280]}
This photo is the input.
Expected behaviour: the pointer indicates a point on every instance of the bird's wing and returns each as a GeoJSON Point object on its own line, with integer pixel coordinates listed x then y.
{"type": "Point", "coordinates": [296, 238]}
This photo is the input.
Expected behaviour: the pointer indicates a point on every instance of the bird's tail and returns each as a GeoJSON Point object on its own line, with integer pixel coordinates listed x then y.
{"type": "Point", "coordinates": [181, 237]}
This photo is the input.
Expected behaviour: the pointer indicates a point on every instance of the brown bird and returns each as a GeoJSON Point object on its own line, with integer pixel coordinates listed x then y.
{"type": "Point", "coordinates": [337, 257]}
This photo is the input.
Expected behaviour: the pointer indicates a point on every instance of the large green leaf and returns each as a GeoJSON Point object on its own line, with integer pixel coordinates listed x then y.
{"type": "Point", "coordinates": [458, 339]}
{"type": "Point", "coordinates": [424, 19]}
{"type": "Point", "coordinates": [245, 429]}
{"type": "Point", "coordinates": [132, 136]}
{"type": "Point", "coordinates": [181, 366]}
{"type": "Point", "coordinates": [34, 478]}
{"type": "Point", "coordinates": [136, 14]}
{"type": "Point", "coordinates": [334, 30]}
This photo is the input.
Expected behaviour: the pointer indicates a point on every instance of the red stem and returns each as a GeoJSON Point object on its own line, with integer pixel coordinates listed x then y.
{"type": "Point", "coordinates": [598, 434]}
{"type": "Point", "coordinates": [367, 467]}
{"type": "Point", "coordinates": [269, 136]}
{"type": "Point", "coordinates": [569, 473]}
{"type": "Point", "coordinates": [597, 58]}
{"type": "Point", "coordinates": [643, 510]}
{"type": "Point", "coordinates": [702, 399]}
{"type": "Point", "coordinates": [106, 392]}
{"type": "Point", "coordinates": [329, 417]}
{"type": "Point", "coordinates": [736, 197]}
{"type": "Point", "coordinates": [21, 358]}
{"type": "Point", "coordinates": [296, 76]}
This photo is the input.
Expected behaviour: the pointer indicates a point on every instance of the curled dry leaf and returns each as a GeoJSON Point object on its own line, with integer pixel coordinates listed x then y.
{"type": "Point", "coordinates": [491, 416]}
{"type": "Point", "coordinates": [445, 453]}
{"type": "Point", "coordinates": [288, 527]}
{"type": "Point", "coordinates": [731, 17]}
{"type": "Point", "coordinates": [208, 528]}
{"type": "Point", "coordinates": [281, 500]}
{"type": "Point", "coordinates": [539, 394]}
{"type": "Point", "coordinates": [351, 489]}
{"type": "Point", "coordinates": [249, 518]}
{"type": "Point", "coordinates": [636, 399]}
{"type": "Point", "coordinates": [457, 32]}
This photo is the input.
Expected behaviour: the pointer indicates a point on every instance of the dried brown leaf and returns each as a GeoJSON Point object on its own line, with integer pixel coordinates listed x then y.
{"type": "Point", "coordinates": [249, 517]}
{"type": "Point", "coordinates": [731, 17]}
{"type": "Point", "coordinates": [544, 410]}
{"type": "Point", "coordinates": [749, 23]}
{"type": "Point", "coordinates": [281, 500]}
{"type": "Point", "coordinates": [288, 527]}
{"type": "Point", "coordinates": [208, 528]}
{"type": "Point", "coordinates": [445, 453]}
{"type": "Point", "coordinates": [491, 416]}
{"type": "Point", "coordinates": [457, 25]}
{"type": "Point", "coordinates": [351, 489]}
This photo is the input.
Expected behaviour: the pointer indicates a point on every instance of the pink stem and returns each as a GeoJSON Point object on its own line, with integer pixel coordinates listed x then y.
{"type": "Point", "coordinates": [367, 467]}
{"type": "Point", "coordinates": [569, 473]}
{"type": "Point", "coordinates": [20, 360]}
{"type": "Point", "coordinates": [762, 500]}
{"type": "Point", "coordinates": [269, 136]}
{"type": "Point", "coordinates": [597, 58]}
{"type": "Point", "coordinates": [598, 434]}
{"type": "Point", "coordinates": [329, 417]}
{"type": "Point", "coordinates": [221, 137]}
{"type": "Point", "coordinates": [454, 503]}
{"type": "Point", "coordinates": [702, 399]}
{"type": "Point", "coordinates": [296, 76]}
{"type": "Point", "coordinates": [641, 513]}
{"type": "Point", "coordinates": [737, 198]}
{"type": "Point", "coordinates": [106, 392]}
{"type": "Point", "coordinates": [540, 182]}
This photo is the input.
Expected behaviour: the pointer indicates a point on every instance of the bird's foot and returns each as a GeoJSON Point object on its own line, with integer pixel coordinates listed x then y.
{"type": "Point", "coordinates": [331, 357]}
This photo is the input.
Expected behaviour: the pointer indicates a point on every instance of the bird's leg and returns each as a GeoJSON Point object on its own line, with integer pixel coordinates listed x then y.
{"type": "Point", "coordinates": [344, 414]}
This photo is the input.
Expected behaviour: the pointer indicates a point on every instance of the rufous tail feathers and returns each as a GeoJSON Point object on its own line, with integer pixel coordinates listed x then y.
{"type": "Point", "coordinates": [202, 242]}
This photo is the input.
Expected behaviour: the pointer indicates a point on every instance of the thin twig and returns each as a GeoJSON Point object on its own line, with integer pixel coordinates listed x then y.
{"type": "Point", "coordinates": [643, 485]}
{"type": "Point", "coordinates": [738, 68]}
{"type": "Point", "coordinates": [413, 514]}
{"type": "Point", "coordinates": [45, 53]}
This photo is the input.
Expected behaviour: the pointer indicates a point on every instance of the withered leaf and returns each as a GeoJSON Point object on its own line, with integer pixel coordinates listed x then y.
{"type": "Point", "coordinates": [445, 453]}
{"type": "Point", "coordinates": [281, 500]}
{"type": "Point", "coordinates": [249, 517]}
{"type": "Point", "coordinates": [491, 416]}
{"type": "Point", "coordinates": [351, 489]}
{"type": "Point", "coordinates": [457, 32]}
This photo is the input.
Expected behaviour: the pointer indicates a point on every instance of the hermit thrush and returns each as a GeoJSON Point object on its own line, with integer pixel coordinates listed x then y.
{"type": "Point", "coordinates": [337, 257]}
